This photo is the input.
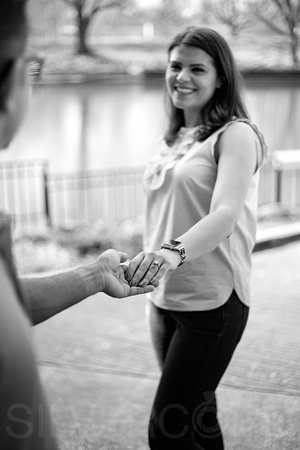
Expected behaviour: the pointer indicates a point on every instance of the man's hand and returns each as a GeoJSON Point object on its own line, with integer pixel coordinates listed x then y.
{"type": "Point", "coordinates": [108, 270]}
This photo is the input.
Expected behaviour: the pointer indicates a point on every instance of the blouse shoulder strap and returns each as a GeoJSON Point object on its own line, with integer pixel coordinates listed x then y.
{"type": "Point", "coordinates": [259, 135]}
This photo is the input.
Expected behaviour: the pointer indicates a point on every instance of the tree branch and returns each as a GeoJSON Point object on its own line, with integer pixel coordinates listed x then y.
{"type": "Point", "coordinates": [286, 12]}
{"type": "Point", "coordinates": [271, 24]}
{"type": "Point", "coordinates": [78, 4]}
{"type": "Point", "coordinates": [96, 9]}
{"type": "Point", "coordinates": [267, 17]}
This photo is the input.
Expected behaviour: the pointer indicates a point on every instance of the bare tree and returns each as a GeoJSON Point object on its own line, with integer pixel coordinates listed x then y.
{"type": "Point", "coordinates": [86, 10]}
{"type": "Point", "coordinates": [237, 14]}
{"type": "Point", "coordinates": [282, 16]}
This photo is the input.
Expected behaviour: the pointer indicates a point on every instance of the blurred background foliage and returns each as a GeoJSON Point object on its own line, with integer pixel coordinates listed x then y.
{"type": "Point", "coordinates": [60, 248]}
{"type": "Point", "coordinates": [116, 34]}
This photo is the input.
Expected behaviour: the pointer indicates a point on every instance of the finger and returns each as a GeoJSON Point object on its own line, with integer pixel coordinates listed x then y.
{"type": "Point", "coordinates": [150, 274]}
{"type": "Point", "coordinates": [124, 267]}
{"type": "Point", "coordinates": [133, 265]}
{"type": "Point", "coordinates": [140, 290]}
{"type": "Point", "coordinates": [152, 282]}
{"type": "Point", "coordinates": [153, 279]}
{"type": "Point", "coordinates": [142, 270]}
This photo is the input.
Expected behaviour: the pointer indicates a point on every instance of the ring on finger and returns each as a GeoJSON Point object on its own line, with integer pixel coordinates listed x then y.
{"type": "Point", "coordinates": [156, 263]}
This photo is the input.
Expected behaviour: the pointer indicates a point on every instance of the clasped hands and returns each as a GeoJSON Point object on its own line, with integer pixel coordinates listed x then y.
{"type": "Point", "coordinates": [119, 278]}
{"type": "Point", "coordinates": [147, 268]}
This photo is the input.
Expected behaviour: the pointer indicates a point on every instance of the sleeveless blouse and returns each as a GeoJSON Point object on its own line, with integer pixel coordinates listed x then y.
{"type": "Point", "coordinates": [178, 185]}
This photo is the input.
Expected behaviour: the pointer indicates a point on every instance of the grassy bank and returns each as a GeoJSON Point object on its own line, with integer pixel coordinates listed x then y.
{"type": "Point", "coordinates": [254, 51]}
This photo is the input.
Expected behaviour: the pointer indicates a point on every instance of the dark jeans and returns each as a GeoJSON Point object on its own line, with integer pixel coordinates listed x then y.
{"type": "Point", "coordinates": [193, 350]}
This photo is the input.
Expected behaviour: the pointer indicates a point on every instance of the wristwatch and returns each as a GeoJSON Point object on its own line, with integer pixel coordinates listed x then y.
{"type": "Point", "coordinates": [177, 247]}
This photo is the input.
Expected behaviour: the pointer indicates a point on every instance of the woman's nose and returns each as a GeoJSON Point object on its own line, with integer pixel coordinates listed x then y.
{"type": "Point", "coordinates": [183, 75]}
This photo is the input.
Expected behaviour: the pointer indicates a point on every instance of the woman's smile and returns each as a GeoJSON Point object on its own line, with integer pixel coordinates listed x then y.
{"type": "Point", "coordinates": [184, 90]}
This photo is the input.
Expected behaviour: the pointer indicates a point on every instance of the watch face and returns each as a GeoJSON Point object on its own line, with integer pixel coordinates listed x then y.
{"type": "Point", "coordinates": [172, 242]}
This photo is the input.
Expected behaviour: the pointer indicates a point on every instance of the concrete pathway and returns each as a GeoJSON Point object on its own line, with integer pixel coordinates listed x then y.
{"type": "Point", "coordinates": [100, 374]}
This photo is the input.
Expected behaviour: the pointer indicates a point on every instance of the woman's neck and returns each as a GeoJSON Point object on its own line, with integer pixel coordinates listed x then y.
{"type": "Point", "coordinates": [192, 120]}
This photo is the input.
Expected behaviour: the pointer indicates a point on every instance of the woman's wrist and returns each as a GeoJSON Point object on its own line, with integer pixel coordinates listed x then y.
{"type": "Point", "coordinates": [173, 257]}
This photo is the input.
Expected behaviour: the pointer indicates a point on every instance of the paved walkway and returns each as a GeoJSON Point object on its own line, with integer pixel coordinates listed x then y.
{"type": "Point", "coordinates": [100, 374]}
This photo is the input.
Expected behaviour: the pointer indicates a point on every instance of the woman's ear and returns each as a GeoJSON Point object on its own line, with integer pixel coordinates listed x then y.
{"type": "Point", "coordinates": [219, 83]}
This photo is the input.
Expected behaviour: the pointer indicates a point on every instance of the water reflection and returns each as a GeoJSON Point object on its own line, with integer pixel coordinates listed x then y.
{"type": "Point", "coordinates": [276, 109]}
{"type": "Point", "coordinates": [100, 125]}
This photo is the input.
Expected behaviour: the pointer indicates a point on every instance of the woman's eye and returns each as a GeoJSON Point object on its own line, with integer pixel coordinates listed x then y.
{"type": "Point", "coordinates": [197, 70]}
{"type": "Point", "coordinates": [175, 66]}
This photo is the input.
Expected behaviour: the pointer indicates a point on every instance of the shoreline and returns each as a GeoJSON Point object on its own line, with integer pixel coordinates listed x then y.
{"type": "Point", "coordinates": [250, 75]}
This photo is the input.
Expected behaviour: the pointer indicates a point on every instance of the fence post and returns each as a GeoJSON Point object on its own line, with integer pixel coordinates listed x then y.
{"type": "Point", "coordinates": [46, 197]}
{"type": "Point", "coordinates": [278, 185]}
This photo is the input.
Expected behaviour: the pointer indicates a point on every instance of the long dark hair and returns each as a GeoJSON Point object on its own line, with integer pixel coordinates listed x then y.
{"type": "Point", "coordinates": [227, 100]}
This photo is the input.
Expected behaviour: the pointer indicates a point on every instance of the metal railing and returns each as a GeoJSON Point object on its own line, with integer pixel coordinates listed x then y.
{"type": "Point", "coordinates": [23, 191]}
{"type": "Point", "coordinates": [34, 196]}
{"type": "Point", "coordinates": [89, 195]}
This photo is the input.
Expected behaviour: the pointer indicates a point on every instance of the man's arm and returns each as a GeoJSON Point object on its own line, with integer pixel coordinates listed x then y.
{"type": "Point", "coordinates": [47, 296]}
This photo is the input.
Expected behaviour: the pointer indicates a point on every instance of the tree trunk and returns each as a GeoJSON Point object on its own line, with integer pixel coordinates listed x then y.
{"type": "Point", "coordinates": [294, 47]}
{"type": "Point", "coordinates": [83, 48]}
{"type": "Point", "coordinates": [234, 30]}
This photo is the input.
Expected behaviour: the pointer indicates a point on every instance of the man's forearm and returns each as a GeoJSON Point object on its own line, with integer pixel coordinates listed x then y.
{"type": "Point", "coordinates": [49, 295]}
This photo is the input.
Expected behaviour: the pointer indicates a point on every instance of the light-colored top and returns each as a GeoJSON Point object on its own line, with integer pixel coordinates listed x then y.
{"type": "Point", "coordinates": [179, 183]}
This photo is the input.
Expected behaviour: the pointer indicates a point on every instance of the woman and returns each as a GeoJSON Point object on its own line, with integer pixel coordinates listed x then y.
{"type": "Point", "coordinates": [201, 190]}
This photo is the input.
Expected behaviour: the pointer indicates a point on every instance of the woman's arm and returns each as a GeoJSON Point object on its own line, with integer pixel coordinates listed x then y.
{"type": "Point", "coordinates": [237, 161]}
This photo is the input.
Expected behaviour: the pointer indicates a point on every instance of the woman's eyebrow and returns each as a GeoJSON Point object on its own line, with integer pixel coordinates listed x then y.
{"type": "Point", "coordinates": [191, 65]}
{"type": "Point", "coordinates": [198, 64]}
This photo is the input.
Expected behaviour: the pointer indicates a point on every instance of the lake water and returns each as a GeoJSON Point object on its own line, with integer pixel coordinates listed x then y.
{"type": "Point", "coordinates": [107, 124]}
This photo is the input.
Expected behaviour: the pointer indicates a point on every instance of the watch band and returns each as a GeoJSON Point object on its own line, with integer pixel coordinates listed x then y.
{"type": "Point", "coordinates": [177, 247]}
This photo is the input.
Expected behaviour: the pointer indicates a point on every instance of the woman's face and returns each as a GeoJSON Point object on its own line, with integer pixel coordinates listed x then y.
{"type": "Point", "coordinates": [191, 80]}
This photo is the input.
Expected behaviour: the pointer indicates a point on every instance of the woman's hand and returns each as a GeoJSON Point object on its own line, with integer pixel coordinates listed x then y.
{"type": "Point", "coordinates": [149, 267]}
